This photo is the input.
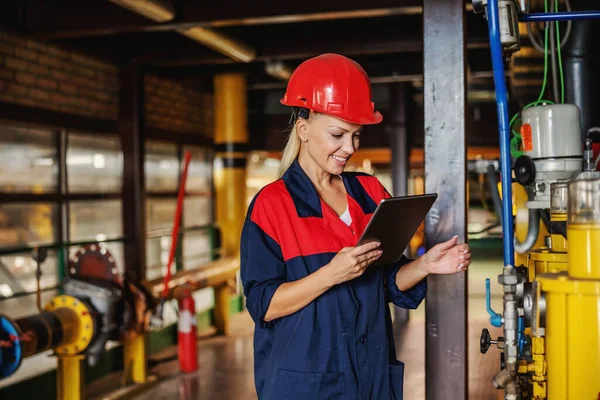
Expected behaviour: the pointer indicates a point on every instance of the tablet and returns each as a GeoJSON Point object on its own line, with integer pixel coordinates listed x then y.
{"type": "Point", "coordinates": [394, 223]}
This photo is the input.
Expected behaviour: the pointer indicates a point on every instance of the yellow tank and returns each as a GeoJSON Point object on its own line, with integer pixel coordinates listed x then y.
{"type": "Point", "coordinates": [572, 302]}
{"type": "Point", "coordinates": [584, 264]}
{"type": "Point", "coordinates": [572, 336]}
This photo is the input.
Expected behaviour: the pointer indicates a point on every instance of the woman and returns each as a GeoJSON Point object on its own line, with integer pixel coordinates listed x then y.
{"type": "Point", "coordinates": [323, 329]}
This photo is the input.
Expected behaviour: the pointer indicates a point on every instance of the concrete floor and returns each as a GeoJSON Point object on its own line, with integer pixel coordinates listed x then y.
{"type": "Point", "coordinates": [226, 363]}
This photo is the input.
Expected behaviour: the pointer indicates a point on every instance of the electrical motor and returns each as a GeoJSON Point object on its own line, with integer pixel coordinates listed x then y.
{"type": "Point", "coordinates": [552, 147]}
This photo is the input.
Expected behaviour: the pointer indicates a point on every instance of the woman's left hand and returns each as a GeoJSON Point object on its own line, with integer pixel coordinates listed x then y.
{"type": "Point", "coordinates": [448, 257]}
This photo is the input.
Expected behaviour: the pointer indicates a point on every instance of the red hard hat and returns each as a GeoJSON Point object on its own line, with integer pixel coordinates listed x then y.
{"type": "Point", "coordinates": [335, 85]}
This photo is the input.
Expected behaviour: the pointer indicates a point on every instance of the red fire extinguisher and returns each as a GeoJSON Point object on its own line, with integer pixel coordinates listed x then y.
{"type": "Point", "coordinates": [187, 345]}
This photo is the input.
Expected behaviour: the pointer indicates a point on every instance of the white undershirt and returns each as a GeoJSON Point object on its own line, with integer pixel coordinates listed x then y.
{"type": "Point", "coordinates": [346, 217]}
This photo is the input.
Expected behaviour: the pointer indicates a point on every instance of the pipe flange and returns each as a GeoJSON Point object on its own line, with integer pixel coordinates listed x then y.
{"type": "Point", "coordinates": [85, 331]}
{"type": "Point", "coordinates": [94, 261]}
{"type": "Point", "coordinates": [11, 353]}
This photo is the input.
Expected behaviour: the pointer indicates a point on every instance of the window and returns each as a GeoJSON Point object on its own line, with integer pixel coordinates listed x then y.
{"type": "Point", "coordinates": [163, 165]}
{"type": "Point", "coordinates": [29, 160]}
{"type": "Point", "coordinates": [94, 164]}
{"type": "Point", "coordinates": [85, 199]}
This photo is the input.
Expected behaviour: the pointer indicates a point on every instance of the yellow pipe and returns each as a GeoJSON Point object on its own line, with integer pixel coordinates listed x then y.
{"type": "Point", "coordinates": [213, 274]}
{"type": "Point", "coordinates": [231, 142]}
{"type": "Point", "coordinates": [69, 382]}
{"type": "Point", "coordinates": [134, 354]}
{"type": "Point", "coordinates": [221, 311]}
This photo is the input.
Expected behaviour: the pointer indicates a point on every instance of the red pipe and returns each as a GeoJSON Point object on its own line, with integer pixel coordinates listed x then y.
{"type": "Point", "coordinates": [175, 233]}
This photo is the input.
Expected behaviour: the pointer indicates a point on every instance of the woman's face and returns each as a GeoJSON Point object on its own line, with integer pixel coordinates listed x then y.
{"type": "Point", "coordinates": [328, 141]}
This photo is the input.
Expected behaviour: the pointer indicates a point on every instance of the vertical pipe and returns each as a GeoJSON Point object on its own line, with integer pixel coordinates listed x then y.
{"type": "Point", "coordinates": [581, 79]}
{"type": "Point", "coordinates": [70, 375]}
{"type": "Point", "coordinates": [132, 129]}
{"type": "Point", "coordinates": [444, 103]}
{"type": "Point", "coordinates": [231, 142]}
{"type": "Point", "coordinates": [134, 355]}
{"type": "Point", "coordinates": [503, 127]}
{"type": "Point", "coordinates": [231, 146]}
{"type": "Point", "coordinates": [63, 210]}
{"type": "Point", "coordinates": [397, 129]}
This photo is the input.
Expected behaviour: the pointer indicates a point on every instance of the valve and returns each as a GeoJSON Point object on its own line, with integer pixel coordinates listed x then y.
{"type": "Point", "coordinates": [495, 318]}
{"type": "Point", "coordinates": [486, 341]}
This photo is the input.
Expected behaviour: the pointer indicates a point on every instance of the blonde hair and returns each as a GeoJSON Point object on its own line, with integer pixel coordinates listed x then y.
{"type": "Point", "coordinates": [290, 152]}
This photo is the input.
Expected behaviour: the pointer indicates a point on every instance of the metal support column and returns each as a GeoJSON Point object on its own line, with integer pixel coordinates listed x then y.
{"type": "Point", "coordinates": [131, 126]}
{"type": "Point", "coordinates": [231, 142]}
{"type": "Point", "coordinates": [444, 104]}
{"type": "Point", "coordinates": [397, 131]}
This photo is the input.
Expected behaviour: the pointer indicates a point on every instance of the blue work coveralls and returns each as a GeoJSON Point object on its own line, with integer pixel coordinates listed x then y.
{"type": "Point", "coordinates": [340, 346]}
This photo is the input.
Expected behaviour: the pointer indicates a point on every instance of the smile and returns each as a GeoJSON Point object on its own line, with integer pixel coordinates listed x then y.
{"type": "Point", "coordinates": [340, 159]}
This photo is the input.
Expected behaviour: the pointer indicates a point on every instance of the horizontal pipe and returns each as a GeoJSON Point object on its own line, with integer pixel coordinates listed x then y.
{"type": "Point", "coordinates": [35, 334]}
{"type": "Point", "coordinates": [47, 330]}
{"type": "Point", "coordinates": [210, 275]}
{"type": "Point", "coordinates": [559, 16]}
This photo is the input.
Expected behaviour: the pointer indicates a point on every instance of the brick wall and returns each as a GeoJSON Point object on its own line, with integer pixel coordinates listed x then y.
{"type": "Point", "coordinates": [171, 106]}
{"type": "Point", "coordinates": [41, 75]}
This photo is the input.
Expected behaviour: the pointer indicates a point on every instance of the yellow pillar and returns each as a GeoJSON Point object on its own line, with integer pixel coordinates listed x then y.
{"type": "Point", "coordinates": [231, 142]}
{"type": "Point", "coordinates": [69, 380]}
{"type": "Point", "coordinates": [134, 354]}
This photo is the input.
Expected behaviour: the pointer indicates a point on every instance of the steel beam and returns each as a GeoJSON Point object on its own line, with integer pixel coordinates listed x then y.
{"type": "Point", "coordinates": [445, 173]}
{"type": "Point", "coordinates": [397, 131]}
{"type": "Point", "coordinates": [131, 125]}
{"type": "Point", "coordinates": [90, 18]}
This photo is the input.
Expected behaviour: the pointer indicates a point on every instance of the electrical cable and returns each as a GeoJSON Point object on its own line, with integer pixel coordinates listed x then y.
{"type": "Point", "coordinates": [514, 143]}
{"type": "Point", "coordinates": [486, 229]}
{"type": "Point", "coordinates": [560, 66]}
{"type": "Point", "coordinates": [553, 60]}
{"type": "Point", "coordinates": [593, 129]}
{"type": "Point", "coordinates": [536, 41]}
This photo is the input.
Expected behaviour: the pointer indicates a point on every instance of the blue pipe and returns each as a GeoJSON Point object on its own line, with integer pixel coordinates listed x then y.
{"type": "Point", "coordinates": [521, 335]}
{"type": "Point", "coordinates": [503, 127]}
{"type": "Point", "coordinates": [559, 16]}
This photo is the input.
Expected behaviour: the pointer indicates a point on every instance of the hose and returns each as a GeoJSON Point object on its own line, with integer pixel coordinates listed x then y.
{"type": "Point", "coordinates": [537, 42]}
{"type": "Point", "coordinates": [533, 226]}
{"type": "Point", "coordinates": [486, 229]}
{"type": "Point", "coordinates": [593, 129]}
{"type": "Point", "coordinates": [533, 231]}
{"type": "Point", "coordinates": [493, 187]}
{"type": "Point", "coordinates": [553, 57]}
{"type": "Point", "coordinates": [545, 215]}
{"type": "Point", "coordinates": [559, 228]}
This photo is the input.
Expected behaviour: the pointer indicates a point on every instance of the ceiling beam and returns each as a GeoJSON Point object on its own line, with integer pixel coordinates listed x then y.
{"type": "Point", "coordinates": [291, 51]}
{"type": "Point", "coordinates": [76, 18]}
{"type": "Point", "coordinates": [294, 49]}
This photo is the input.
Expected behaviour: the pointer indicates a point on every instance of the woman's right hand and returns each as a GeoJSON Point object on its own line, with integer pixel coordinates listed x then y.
{"type": "Point", "coordinates": [351, 262]}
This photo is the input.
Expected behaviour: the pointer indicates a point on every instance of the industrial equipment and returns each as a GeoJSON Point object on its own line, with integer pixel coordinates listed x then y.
{"type": "Point", "coordinates": [551, 303]}
{"type": "Point", "coordinates": [96, 305]}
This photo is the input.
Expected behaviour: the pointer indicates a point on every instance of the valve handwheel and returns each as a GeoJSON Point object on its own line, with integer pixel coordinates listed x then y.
{"type": "Point", "coordinates": [485, 341]}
